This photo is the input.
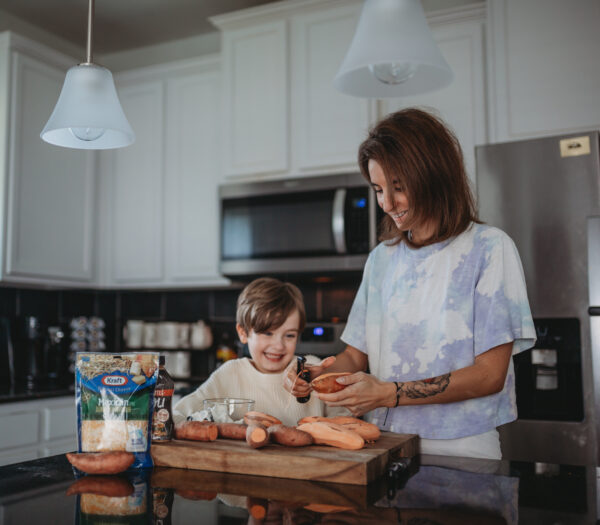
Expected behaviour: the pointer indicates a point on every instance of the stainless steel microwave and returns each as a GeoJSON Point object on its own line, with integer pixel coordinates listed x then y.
{"type": "Point", "coordinates": [304, 225]}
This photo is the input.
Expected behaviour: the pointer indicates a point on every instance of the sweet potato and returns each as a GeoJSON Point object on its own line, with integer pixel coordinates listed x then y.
{"type": "Point", "coordinates": [368, 431]}
{"type": "Point", "coordinates": [289, 436]}
{"type": "Point", "coordinates": [197, 431]}
{"type": "Point", "coordinates": [257, 507]}
{"type": "Point", "coordinates": [327, 384]}
{"type": "Point", "coordinates": [257, 435]}
{"type": "Point", "coordinates": [196, 494]}
{"type": "Point", "coordinates": [111, 486]}
{"type": "Point", "coordinates": [260, 418]}
{"type": "Point", "coordinates": [101, 462]}
{"type": "Point", "coordinates": [232, 430]}
{"type": "Point", "coordinates": [333, 435]}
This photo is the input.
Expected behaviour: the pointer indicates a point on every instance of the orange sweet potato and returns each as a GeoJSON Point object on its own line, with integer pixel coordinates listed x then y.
{"type": "Point", "coordinates": [257, 435]}
{"type": "Point", "coordinates": [257, 507]}
{"type": "Point", "coordinates": [101, 462]}
{"type": "Point", "coordinates": [196, 495]}
{"type": "Point", "coordinates": [111, 486]}
{"type": "Point", "coordinates": [333, 435]}
{"type": "Point", "coordinates": [289, 436]}
{"type": "Point", "coordinates": [261, 418]}
{"type": "Point", "coordinates": [368, 431]}
{"type": "Point", "coordinates": [327, 384]}
{"type": "Point", "coordinates": [232, 430]}
{"type": "Point", "coordinates": [197, 431]}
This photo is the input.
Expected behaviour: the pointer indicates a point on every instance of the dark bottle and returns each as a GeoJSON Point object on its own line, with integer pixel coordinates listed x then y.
{"type": "Point", "coordinates": [162, 505]}
{"type": "Point", "coordinates": [162, 419]}
{"type": "Point", "coordinates": [303, 374]}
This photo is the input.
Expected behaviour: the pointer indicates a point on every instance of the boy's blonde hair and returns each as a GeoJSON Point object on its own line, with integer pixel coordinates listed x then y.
{"type": "Point", "coordinates": [266, 303]}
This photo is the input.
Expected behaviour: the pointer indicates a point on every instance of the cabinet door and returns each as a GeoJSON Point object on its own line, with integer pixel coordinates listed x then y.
{"type": "Point", "coordinates": [255, 138]}
{"type": "Point", "coordinates": [544, 67]}
{"type": "Point", "coordinates": [462, 104]}
{"type": "Point", "coordinates": [136, 194]}
{"type": "Point", "coordinates": [328, 125]}
{"type": "Point", "coordinates": [50, 204]}
{"type": "Point", "coordinates": [192, 143]}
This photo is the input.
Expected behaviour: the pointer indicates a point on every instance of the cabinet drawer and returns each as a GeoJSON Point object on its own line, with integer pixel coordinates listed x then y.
{"type": "Point", "coordinates": [19, 429]}
{"type": "Point", "coordinates": [59, 422]}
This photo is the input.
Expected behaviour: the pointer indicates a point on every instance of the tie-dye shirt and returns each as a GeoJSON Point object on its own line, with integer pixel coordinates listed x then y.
{"type": "Point", "coordinates": [421, 313]}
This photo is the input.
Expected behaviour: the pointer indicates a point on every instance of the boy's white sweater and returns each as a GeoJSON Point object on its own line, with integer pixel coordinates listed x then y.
{"type": "Point", "coordinates": [239, 378]}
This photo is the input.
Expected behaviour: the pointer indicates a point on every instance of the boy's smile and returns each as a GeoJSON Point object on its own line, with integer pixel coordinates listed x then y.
{"type": "Point", "coordinates": [273, 350]}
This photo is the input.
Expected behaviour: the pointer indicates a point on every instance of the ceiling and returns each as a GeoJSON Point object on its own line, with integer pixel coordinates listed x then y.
{"type": "Point", "coordinates": [123, 24]}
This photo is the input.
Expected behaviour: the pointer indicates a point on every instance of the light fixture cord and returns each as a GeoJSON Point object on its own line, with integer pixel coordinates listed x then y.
{"type": "Point", "coordinates": [90, 32]}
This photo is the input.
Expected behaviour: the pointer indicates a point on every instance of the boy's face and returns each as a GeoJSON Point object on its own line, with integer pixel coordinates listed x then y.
{"type": "Point", "coordinates": [273, 350]}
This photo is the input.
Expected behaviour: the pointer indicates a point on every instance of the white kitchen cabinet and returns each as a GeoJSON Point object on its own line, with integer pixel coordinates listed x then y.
{"type": "Point", "coordinates": [327, 126]}
{"type": "Point", "coordinates": [37, 428]}
{"type": "Point", "coordinates": [544, 68]}
{"type": "Point", "coordinates": [275, 127]}
{"type": "Point", "coordinates": [159, 196]}
{"type": "Point", "coordinates": [48, 191]}
{"type": "Point", "coordinates": [255, 105]}
{"type": "Point", "coordinates": [460, 36]}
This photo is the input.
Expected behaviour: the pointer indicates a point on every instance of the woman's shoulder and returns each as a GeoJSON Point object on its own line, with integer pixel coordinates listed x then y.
{"type": "Point", "coordinates": [486, 235]}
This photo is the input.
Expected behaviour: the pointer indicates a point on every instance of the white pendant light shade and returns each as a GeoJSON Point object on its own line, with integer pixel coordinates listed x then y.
{"type": "Point", "coordinates": [88, 114]}
{"type": "Point", "coordinates": [393, 53]}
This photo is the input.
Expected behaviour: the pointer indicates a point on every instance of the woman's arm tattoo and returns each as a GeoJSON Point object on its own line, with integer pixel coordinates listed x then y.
{"type": "Point", "coordinates": [424, 387]}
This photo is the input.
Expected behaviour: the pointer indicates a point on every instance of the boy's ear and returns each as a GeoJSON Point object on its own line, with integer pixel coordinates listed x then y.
{"type": "Point", "coordinates": [241, 333]}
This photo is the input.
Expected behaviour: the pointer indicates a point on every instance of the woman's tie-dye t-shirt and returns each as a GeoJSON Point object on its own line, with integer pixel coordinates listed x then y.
{"type": "Point", "coordinates": [421, 313]}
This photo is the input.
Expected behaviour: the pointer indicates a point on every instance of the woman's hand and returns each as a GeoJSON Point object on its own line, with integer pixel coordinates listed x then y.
{"type": "Point", "coordinates": [300, 388]}
{"type": "Point", "coordinates": [363, 394]}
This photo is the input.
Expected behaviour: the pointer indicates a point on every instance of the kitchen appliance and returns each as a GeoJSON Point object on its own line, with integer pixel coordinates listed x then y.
{"type": "Point", "coordinates": [28, 353]}
{"type": "Point", "coordinates": [7, 355]}
{"type": "Point", "coordinates": [321, 339]}
{"type": "Point", "coordinates": [303, 225]}
{"type": "Point", "coordinates": [545, 194]}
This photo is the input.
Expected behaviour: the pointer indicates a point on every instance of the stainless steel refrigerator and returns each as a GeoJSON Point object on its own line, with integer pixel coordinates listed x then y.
{"type": "Point", "coordinates": [545, 193]}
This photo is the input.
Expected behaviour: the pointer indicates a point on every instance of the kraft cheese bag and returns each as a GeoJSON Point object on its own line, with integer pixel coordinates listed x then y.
{"type": "Point", "coordinates": [114, 395]}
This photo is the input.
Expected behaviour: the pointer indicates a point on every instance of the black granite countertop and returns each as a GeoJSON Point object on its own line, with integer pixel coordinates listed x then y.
{"type": "Point", "coordinates": [14, 394]}
{"type": "Point", "coordinates": [425, 490]}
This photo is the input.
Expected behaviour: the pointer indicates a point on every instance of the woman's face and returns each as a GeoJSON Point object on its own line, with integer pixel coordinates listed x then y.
{"type": "Point", "coordinates": [394, 202]}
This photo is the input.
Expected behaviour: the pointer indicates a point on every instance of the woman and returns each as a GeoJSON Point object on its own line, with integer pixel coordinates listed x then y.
{"type": "Point", "coordinates": [442, 306]}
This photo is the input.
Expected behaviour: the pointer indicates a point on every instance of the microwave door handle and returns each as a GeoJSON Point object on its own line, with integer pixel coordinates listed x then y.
{"type": "Point", "coordinates": [337, 221]}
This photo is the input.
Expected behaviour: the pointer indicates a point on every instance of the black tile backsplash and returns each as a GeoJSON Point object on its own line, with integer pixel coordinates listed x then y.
{"type": "Point", "coordinates": [324, 301]}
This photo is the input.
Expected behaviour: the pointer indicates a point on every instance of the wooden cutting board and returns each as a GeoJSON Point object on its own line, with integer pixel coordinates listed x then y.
{"type": "Point", "coordinates": [316, 462]}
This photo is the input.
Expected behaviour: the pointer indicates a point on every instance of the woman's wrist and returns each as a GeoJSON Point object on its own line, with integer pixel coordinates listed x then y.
{"type": "Point", "coordinates": [390, 395]}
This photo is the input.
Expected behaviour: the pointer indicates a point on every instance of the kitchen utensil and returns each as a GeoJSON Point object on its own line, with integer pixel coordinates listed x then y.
{"type": "Point", "coordinates": [228, 409]}
{"type": "Point", "coordinates": [133, 333]}
{"type": "Point", "coordinates": [150, 335]}
{"type": "Point", "coordinates": [315, 462]}
{"type": "Point", "coordinates": [178, 364]}
{"type": "Point", "coordinates": [201, 336]}
{"type": "Point", "coordinates": [167, 335]}
{"type": "Point", "coordinates": [183, 335]}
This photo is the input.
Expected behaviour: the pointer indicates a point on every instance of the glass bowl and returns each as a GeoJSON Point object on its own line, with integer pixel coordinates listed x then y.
{"type": "Point", "coordinates": [228, 409]}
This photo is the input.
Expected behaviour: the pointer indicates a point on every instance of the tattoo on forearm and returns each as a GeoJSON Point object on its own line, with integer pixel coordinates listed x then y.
{"type": "Point", "coordinates": [423, 388]}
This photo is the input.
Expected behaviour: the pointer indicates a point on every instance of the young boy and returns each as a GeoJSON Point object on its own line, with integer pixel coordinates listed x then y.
{"type": "Point", "coordinates": [270, 318]}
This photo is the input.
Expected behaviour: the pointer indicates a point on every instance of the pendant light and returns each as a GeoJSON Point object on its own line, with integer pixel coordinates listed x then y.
{"type": "Point", "coordinates": [393, 53]}
{"type": "Point", "coordinates": [88, 114]}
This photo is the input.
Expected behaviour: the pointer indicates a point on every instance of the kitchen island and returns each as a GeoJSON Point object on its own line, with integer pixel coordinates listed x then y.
{"type": "Point", "coordinates": [423, 490]}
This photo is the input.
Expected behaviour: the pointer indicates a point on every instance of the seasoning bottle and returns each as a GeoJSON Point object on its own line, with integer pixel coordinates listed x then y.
{"type": "Point", "coordinates": [303, 374]}
{"type": "Point", "coordinates": [162, 419]}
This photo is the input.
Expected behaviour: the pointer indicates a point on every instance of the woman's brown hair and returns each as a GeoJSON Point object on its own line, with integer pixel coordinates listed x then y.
{"type": "Point", "coordinates": [423, 154]}
{"type": "Point", "coordinates": [266, 303]}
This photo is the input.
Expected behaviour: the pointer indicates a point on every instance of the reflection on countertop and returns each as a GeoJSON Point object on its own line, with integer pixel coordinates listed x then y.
{"type": "Point", "coordinates": [14, 394]}
{"type": "Point", "coordinates": [428, 489]}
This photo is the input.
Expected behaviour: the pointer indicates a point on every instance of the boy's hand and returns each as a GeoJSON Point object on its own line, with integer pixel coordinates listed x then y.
{"type": "Point", "coordinates": [300, 388]}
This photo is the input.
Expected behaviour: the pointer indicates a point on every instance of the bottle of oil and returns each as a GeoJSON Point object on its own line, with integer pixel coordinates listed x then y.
{"type": "Point", "coordinates": [162, 419]}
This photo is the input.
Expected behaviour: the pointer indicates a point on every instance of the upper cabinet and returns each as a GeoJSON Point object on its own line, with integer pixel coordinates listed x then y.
{"type": "Point", "coordinates": [282, 115]}
{"type": "Point", "coordinates": [459, 34]}
{"type": "Point", "coordinates": [159, 196]}
{"type": "Point", "coordinates": [544, 70]}
{"type": "Point", "coordinates": [48, 191]}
